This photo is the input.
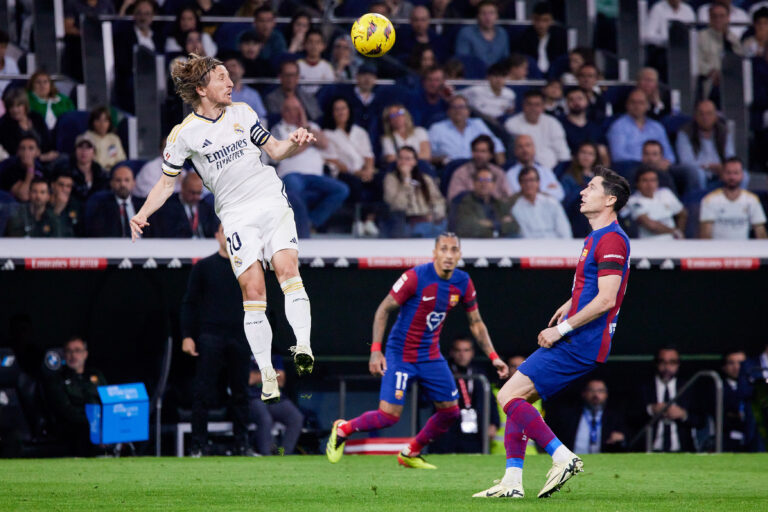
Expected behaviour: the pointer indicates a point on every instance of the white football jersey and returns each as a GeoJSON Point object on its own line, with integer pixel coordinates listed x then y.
{"type": "Point", "coordinates": [732, 219]}
{"type": "Point", "coordinates": [226, 159]}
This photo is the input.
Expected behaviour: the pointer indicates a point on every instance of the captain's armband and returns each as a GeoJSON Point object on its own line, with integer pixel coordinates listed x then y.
{"type": "Point", "coordinates": [259, 134]}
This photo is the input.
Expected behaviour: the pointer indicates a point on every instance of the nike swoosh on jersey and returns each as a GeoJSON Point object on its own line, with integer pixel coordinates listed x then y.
{"type": "Point", "coordinates": [425, 299]}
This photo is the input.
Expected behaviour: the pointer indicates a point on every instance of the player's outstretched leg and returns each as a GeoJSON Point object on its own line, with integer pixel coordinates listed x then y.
{"type": "Point", "coordinates": [511, 485]}
{"type": "Point", "coordinates": [298, 313]}
{"type": "Point", "coordinates": [371, 420]}
{"type": "Point", "coordinates": [259, 335]}
{"type": "Point", "coordinates": [436, 425]}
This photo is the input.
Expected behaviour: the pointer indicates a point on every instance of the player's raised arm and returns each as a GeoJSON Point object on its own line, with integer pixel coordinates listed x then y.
{"type": "Point", "coordinates": [280, 149]}
{"type": "Point", "coordinates": [157, 197]}
{"type": "Point", "coordinates": [377, 364]}
{"type": "Point", "coordinates": [480, 332]}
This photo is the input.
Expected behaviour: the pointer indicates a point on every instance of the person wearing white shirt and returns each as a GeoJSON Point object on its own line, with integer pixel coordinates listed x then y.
{"type": "Point", "coordinates": [672, 432]}
{"type": "Point", "coordinates": [399, 132]}
{"type": "Point", "coordinates": [525, 154]}
{"type": "Point", "coordinates": [151, 172]}
{"type": "Point", "coordinates": [537, 214]}
{"type": "Point", "coordinates": [492, 98]}
{"type": "Point", "coordinates": [546, 131]}
{"type": "Point", "coordinates": [451, 139]}
{"type": "Point", "coordinates": [658, 212]}
{"type": "Point", "coordinates": [8, 66]}
{"type": "Point", "coordinates": [313, 66]}
{"type": "Point", "coordinates": [728, 213]}
{"type": "Point", "coordinates": [657, 24]}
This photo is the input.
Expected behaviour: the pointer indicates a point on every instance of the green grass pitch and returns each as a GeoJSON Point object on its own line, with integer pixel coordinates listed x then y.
{"type": "Point", "coordinates": [359, 483]}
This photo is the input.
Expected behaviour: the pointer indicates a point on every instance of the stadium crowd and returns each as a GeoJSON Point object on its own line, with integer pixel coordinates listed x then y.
{"type": "Point", "coordinates": [495, 159]}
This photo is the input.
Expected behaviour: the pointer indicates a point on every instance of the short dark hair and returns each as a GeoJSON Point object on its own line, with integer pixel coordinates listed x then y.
{"type": "Point", "coordinates": [38, 180]}
{"type": "Point", "coordinates": [527, 170]}
{"type": "Point", "coordinates": [411, 150]}
{"type": "Point", "coordinates": [542, 8]}
{"type": "Point", "coordinates": [662, 348]}
{"type": "Point", "coordinates": [498, 69]}
{"type": "Point", "coordinates": [315, 31]}
{"type": "Point", "coordinates": [571, 90]}
{"type": "Point", "coordinates": [97, 113]}
{"type": "Point", "coordinates": [263, 8]}
{"type": "Point", "coordinates": [615, 185]}
{"type": "Point", "coordinates": [727, 353]}
{"type": "Point", "coordinates": [480, 139]}
{"type": "Point", "coordinates": [466, 337]}
{"type": "Point", "coordinates": [760, 13]}
{"type": "Point", "coordinates": [643, 170]}
{"type": "Point", "coordinates": [483, 3]}
{"type": "Point", "coordinates": [653, 142]}
{"type": "Point", "coordinates": [734, 159]}
{"type": "Point", "coordinates": [28, 136]}
{"type": "Point", "coordinates": [447, 234]}
{"type": "Point", "coordinates": [533, 93]}
{"type": "Point", "coordinates": [287, 62]}
{"type": "Point", "coordinates": [516, 59]}
{"type": "Point", "coordinates": [588, 54]}
{"type": "Point", "coordinates": [76, 338]}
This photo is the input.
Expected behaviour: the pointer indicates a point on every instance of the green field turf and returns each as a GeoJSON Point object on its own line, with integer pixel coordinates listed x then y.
{"type": "Point", "coordinates": [611, 482]}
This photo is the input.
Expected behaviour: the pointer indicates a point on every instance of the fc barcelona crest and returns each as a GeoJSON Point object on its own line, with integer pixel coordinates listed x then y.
{"type": "Point", "coordinates": [399, 394]}
{"type": "Point", "coordinates": [454, 299]}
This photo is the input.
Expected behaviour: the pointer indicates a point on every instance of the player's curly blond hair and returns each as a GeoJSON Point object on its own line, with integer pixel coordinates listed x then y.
{"type": "Point", "coordinates": [190, 74]}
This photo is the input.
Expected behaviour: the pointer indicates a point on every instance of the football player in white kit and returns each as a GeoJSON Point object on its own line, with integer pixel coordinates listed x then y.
{"type": "Point", "coordinates": [224, 141]}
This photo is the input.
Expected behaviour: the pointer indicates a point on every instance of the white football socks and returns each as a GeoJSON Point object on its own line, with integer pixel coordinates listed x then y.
{"type": "Point", "coordinates": [513, 477]}
{"type": "Point", "coordinates": [297, 309]}
{"type": "Point", "coordinates": [562, 454]}
{"type": "Point", "coordinates": [258, 332]}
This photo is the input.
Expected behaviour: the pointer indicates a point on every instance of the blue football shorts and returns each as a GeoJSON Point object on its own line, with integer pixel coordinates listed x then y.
{"type": "Point", "coordinates": [552, 369]}
{"type": "Point", "coordinates": [434, 377]}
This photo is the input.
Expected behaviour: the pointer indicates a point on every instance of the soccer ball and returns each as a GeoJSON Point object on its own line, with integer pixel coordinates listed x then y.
{"type": "Point", "coordinates": [373, 35]}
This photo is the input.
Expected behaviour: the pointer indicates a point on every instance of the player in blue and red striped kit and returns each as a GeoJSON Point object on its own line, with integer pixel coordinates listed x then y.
{"type": "Point", "coordinates": [577, 339]}
{"type": "Point", "coordinates": [424, 295]}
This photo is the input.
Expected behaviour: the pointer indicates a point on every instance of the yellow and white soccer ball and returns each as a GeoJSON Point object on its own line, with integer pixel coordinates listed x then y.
{"type": "Point", "coordinates": [373, 35]}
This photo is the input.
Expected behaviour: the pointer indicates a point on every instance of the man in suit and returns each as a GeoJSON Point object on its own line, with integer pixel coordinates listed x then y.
{"type": "Point", "coordinates": [673, 432]}
{"type": "Point", "coordinates": [753, 380]}
{"type": "Point", "coordinates": [739, 426]}
{"type": "Point", "coordinates": [595, 428]}
{"type": "Point", "coordinates": [107, 213]}
{"type": "Point", "coordinates": [184, 215]}
{"type": "Point", "coordinates": [543, 40]}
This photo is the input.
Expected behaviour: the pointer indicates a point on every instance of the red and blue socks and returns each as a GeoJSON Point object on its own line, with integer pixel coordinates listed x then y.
{"type": "Point", "coordinates": [436, 425]}
{"type": "Point", "coordinates": [371, 420]}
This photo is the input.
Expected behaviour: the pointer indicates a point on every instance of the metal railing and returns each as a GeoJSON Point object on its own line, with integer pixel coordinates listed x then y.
{"type": "Point", "coordinates": [159, 392]}
{"type": "Point", "coordinates": [649, 429]}
{"type": "Point", "coordinates": [414, 405]}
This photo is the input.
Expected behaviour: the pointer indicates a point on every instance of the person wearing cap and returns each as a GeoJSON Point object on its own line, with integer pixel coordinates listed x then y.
{"type": "Point", "coordinates": [87, 174]}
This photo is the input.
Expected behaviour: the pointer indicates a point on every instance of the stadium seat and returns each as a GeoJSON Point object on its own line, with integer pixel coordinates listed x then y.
{"type": "Point", "coordinates": [228, 34]}
{"type": "Point", "coordinates": [68, 127]}
{"type": "Point", "coordinates": [7, 203]}
{"type": "Point", "coordinates": [474, 68]}
{"type": "Point", "coordinates": [560, 168]}
{"type": "Point", "coordinates": [672, 124]}
{"type": "Point", "coordinates": [135, 165]}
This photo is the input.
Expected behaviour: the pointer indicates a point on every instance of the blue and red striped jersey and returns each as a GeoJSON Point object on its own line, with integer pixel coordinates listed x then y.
{"type": "Point", "coordinates": [425, 298]}
{"type": "Point", "coordinates": [606, 252]}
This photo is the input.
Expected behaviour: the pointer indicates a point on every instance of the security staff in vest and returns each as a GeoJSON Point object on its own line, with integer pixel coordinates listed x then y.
{"type": "Point", "coordinates": [68, 390]}
{"type": "Point", "coordinates": [212, 331]}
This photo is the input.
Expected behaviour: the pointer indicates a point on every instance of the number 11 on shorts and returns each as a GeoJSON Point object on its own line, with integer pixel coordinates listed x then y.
{"type": "Point", "coordinates": [401, 380]}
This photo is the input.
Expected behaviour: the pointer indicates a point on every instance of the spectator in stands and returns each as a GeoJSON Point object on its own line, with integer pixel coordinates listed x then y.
{"type": "Point", "coordinates": [8, 66]}
{"type": "Point", "coordinates": [69, 390]}
{"type": "Point", "coordinates": [419, 32]}
{"type": "Point", "coordinates": [711, 43]}
{"type": "Point", "coordinates": [186, 20]}
{"type": "Point", "coordinates": [399, 8]}
{"type": "Point", "coordinates": [248, 8]}
{"type": "Point", "coordinates": [18, 176]}
{"type": "Point", "coordinates": [73, 9]}
{"type": "Point", "coordinates": [46, 100]}
{"type": "Point", "coordinates": [462, 179]}
{"type": "Point", "coordinates": [249, 48]}
{"type": "Point", "coordinates": [353, 160]}
{"type": "Point", "coordinates": [266, 415]}
{"type": "Point", "coordinates": [184, 215]}
{"type": "Point", "coordinates": [587, 78]}
{"type": "Point", "coordinates": [554, 101]}
{"type": "Point", "coordinates": [431, 102]}
{"type": "Point", "coordinates": [150, 173]}
{"type": "Point", "coordinates": [242, 92]}
{"type": "Point", "coordinates": [109, 149]}
{"type": "Point", "coordinates": [627, 134]}
{"type": "Point", "coordinates": [345, 63]}
{"type": "Point", "coordinates": [272, 40]}
{"type": "Point", "coordinates": [656, 29]}
{"type": "Point", "coordinates": [579, 173]}
{"type": "Point", "coordinates": [518, 67]}
{"type": "Point", "coordinates": [728, 213]}
{"type": "Point", "coordinates": [578, 128]}
{"type": "Point", "coordinates": [453, 69]}
{"type": "Point", "coordinates": [755, 45]}
{"type": "Point", "coordinates": [444, 9]}
{"type": "Point", "coordinates": [313, 196]}
{"type": "Point", "coordinates": [297, 31]}
{"type": "Point", "coordinates": [546, 131]}
{"type": "Point", "coordinates": [736, 14]}
{"type": "Point", "coordinates": [739, 426]}
{"type": "Point", "coordinates": [538, 215]}
{"type": "Point", "coordinates": [88, 174]}
{"type": "Point", "coordinates": [543, 40]}
{"type": "Point", "coordinates": [673, 431]}
{"type": "Point", "coordinates": [492, 99]}
{"type": "Point", "coordinates": [107, 212]}
{"type": "Point", "coordinates": [484, 41]}
{"type": "Point", "coordinates": [648, 82]}
{"type": "Point", "coordinates": [289, 81]}
{"type": "Point", "coordinates": [313, 66]}
{"type": "Point", "coordinates": [421, 59]}
{"type": "Point", "coordinates": [527, 156]}
{"type": "Point", "coordinates": [400, 132]}
{"type": "Point", "coordinates": [669, 175]}
{"type": "Point", "coordinates": [64, 204]}
{"type": "Point", "coordinates": [658, 212]}
{"type": "Point", "coordinates": [452, 138]}
{"type": "Point", "coordinates": [367, 100]}
{"type": "Point", "coordinates": [594, 427]}
{"type": "Point", "coordinates": [466, 436]}
{"type": "Point", "coordinates": [36, 219]}
{"type": "Point", "coordinates": [212, 332]}
{"type": "Point", "coordinates": [480, 215]}
{"type": "Point", "coordinates": [19, 120]}
{"type": "Point", "coordinates": [413, 198]}
{"type": "Point", "coordinates": [209, 8]}
{"type": "Point", "coordinates": [705, 143]}
{"type": "Point", "coordinates": [576, 59]}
